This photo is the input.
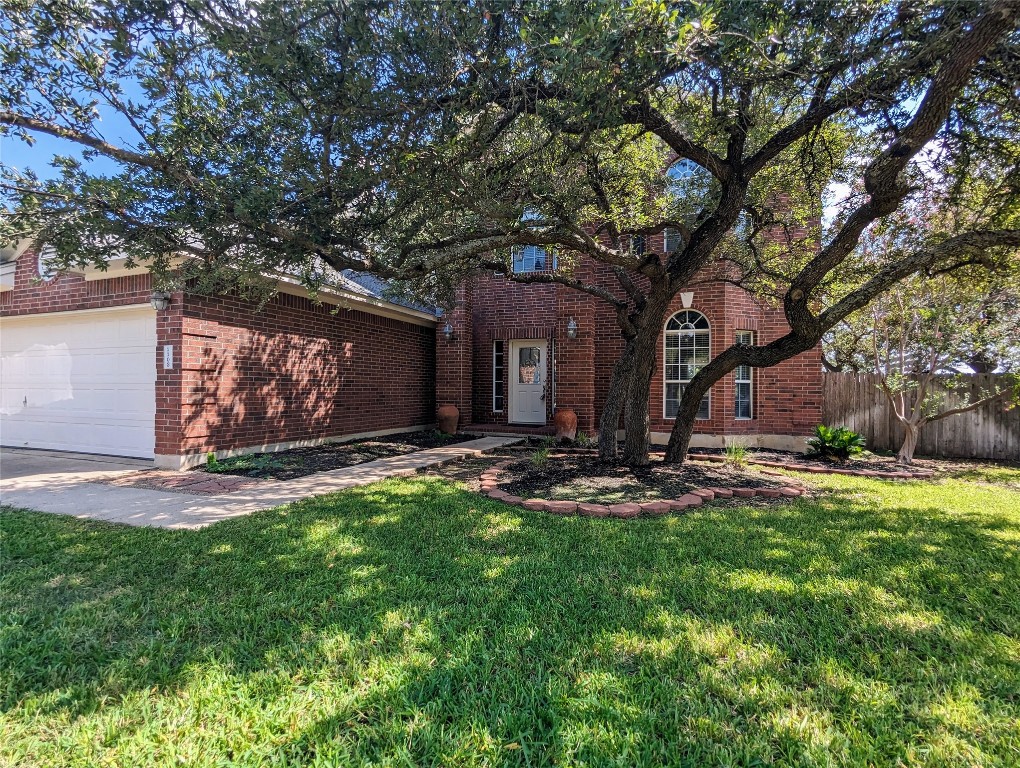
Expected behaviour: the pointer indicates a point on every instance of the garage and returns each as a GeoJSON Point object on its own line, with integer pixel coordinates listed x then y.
{"type": "Point", "coordinates": [80, 381]}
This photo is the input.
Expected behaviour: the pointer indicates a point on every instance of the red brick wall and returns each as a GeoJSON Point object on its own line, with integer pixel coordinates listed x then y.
{"type": "Point", "coordinates": [502, 309]}
{"type": "Point", "coordinates": [787, 397]}
{"type": "Point", "coordinates": [293, 371]}
{"type": "Point", "coordinates": [454, 356]}
{"type": "Point", "coordinates": [65, 293]}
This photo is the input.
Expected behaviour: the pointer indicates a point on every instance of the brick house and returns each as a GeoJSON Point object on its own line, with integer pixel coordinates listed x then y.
{"type": "Point", "coordinates": [511, 362]}
{"type": "Point", "coordinates": [89, 365]}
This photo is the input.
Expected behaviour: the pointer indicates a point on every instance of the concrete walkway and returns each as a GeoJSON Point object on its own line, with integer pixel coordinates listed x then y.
{"type": "Point", "coordinates": [49, 485]}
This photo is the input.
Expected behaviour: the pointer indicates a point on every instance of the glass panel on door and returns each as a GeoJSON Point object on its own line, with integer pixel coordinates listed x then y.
{"type": "Point", "coordinates": [529, 369]}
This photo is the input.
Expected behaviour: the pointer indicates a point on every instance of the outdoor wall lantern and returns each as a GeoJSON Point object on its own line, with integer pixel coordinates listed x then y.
{"type": "Point", "coordinates": [448, 331]}
{"type": "Point", "coordinates": [160, 300]}
{"type": "Point", "coordinates": [571, 328]}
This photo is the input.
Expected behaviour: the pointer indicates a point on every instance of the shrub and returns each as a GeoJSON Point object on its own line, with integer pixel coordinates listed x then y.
{"type": "Point", "coordinates": [582, 440]}
{"type": "Point", "coordinates": [837, 443]}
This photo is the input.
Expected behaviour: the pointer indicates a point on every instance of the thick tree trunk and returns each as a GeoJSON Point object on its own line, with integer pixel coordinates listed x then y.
{"type": "Point", "coordinates": [635, 417]}
{"type": "Point", "coordinates": [911, 433]}
{"type": "Point", "coordinates": [683, 426]}
{"type": "Point", "coordinates": [609, 420]}
{"type": "Point", "coordinates": [630, 385]}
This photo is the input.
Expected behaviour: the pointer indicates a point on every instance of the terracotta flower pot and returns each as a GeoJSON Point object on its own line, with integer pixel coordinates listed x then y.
{"type": "Point", "coordinates": [447, 417]}
{"type": "Point", "coordinates": [565, 421]}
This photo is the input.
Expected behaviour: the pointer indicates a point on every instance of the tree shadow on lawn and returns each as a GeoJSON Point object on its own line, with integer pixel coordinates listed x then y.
{"type": "Point", "coordinates": [415, 620]}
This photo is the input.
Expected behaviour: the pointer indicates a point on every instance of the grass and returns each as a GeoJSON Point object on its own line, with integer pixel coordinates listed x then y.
{"type": "Point", "coordinates": [413, 623]}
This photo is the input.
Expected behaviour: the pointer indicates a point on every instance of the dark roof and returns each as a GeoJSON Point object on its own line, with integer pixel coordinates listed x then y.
{"type": "Point", "coordinates": [370, 285]}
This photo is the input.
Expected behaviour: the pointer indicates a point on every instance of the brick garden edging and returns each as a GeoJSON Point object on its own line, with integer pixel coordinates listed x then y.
{"type": "Point", "coordinates": [489, 480]}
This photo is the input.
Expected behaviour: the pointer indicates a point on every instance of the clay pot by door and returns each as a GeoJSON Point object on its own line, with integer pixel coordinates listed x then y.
{"type": "Point", "coordinates": [565, 421]}
{"type": "Point", "coordinates": [447, 417]}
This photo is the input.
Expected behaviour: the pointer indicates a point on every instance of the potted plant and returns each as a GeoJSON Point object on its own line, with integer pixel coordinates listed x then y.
{"type": "Point", "coordinates": [565, 421]}
{"type": "Point", "coordinates": [447, 418]}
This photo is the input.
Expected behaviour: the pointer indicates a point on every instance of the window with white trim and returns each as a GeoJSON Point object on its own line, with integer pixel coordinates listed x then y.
{"type": "Point", "coordinates": [532, 258]}
{"type": "Point", "coordinates": [529, 258]}
{"type": "Point", "coordinates": [498, 375]}
{"type": "Point", "coordinates": [687, 350]}
{"type": "Point", "coordinates": [743, 405]}
{"type": "Point", "coordinates": [637, 245]}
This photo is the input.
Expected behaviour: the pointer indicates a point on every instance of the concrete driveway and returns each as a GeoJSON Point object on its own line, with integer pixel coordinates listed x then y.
{"type": "Point", "coordinates": [34, 468]}
{"type": "Point", "coordinates": [63, 483]}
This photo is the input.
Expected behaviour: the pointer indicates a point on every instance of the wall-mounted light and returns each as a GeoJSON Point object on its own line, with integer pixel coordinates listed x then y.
{"type": "Point", "coordinates": [160, 300]}
{"type": "Point", "coordinates": [448, 332]}
{"type": "Point", "coordinates": [571, 328]}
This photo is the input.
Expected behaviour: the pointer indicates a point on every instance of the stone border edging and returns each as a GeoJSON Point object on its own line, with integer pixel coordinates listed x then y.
{"type": "Point", "coordinates": [489, 480]}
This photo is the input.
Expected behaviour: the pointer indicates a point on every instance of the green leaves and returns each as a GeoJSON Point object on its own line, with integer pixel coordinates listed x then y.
{"type": "Point", "coordinates": [838, 443]}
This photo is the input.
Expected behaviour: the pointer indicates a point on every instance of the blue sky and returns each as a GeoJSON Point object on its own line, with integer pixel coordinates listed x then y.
{"type": "Point", "coordinates": [114, 128]}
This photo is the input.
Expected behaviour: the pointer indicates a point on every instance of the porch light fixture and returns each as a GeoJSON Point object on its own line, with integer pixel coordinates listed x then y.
{"type": "Point", "coordinates": [448, 331]}
{"type": "Point", "coordinates": [571, 328]}
{"type": "Point", "coordinates": [160, 300]}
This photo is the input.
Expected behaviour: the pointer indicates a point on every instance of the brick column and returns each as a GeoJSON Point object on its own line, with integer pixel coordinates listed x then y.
{"type": "Point", "coordinates": [454, 358]}
{"type": "Point", "coordinates": [169, 383]}
{"type": "Point", "coordinates": [575, 358]}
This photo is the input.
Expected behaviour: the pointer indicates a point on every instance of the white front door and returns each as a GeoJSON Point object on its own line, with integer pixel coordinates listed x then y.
{"type": "Point", "coordinates": [528, 373]}
{"type": "Point", "coordinates": [80, 381]}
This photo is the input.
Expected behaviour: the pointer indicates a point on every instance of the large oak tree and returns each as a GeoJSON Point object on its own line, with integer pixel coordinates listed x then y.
{"type": "Point", "coordinates": [422, 141]}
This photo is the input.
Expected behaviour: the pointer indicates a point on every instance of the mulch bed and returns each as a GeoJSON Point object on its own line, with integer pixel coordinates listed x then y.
{"type": "Point", "coordinates": [587, 479]}
{"type": "Point", "coordinates": [870, 466]}
{"type": "Point", "coordinates": [580, 474]}
{"type": "Point", "coordinates": [300, 462]}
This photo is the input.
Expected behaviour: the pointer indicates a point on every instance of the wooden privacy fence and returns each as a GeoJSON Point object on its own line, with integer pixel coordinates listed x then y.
{"type": "Point", "coordinates": [990, 432]}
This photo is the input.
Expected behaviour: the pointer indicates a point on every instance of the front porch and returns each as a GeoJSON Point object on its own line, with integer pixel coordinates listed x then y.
{"type": "Point", "coordinates": [509, 429]}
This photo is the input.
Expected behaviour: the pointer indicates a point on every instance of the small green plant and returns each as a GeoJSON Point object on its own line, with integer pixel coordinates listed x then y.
{"type": "Point", "coordinates": [210, 461]}
{"type": "Point", "coordinates": [838, 443]}
{"type": "Point", "coordinates": [260, 463]}
{"type": "Point", "coordinates": [736, 454]}
{"type": "Point", "coordinates": [540, 457]}
{"type": "Point", "coordinates": [583, 440]}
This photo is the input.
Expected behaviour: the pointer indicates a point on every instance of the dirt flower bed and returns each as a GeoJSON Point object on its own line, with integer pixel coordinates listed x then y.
{"type": "Point", "coordinates": [584, 478]}
{"type": "Point", "coordinates": [299, 462]}
{"type": "Point", "coordinates": [869, 464]}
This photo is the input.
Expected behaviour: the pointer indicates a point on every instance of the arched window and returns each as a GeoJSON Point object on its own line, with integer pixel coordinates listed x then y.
{"type": "Point", "coordinates": [688, 342]}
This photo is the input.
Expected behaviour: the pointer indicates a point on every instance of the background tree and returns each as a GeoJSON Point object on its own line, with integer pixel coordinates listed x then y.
{"type": "Point", "coordinates": [422, 141]}
{"type": "Point", "coordinates": [920, 338]}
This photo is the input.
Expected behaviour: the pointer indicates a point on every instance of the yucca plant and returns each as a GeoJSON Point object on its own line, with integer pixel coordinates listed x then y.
{"type": "Point", "coordinates": [838, 443]}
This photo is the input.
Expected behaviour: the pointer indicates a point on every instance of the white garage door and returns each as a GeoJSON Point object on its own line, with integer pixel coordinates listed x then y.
{"type": "Point", "coordinates": [80, 381]}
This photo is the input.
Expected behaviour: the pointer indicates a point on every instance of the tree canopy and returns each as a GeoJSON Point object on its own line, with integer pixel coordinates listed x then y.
{"type": "Point", "coordinates": [422, 141]}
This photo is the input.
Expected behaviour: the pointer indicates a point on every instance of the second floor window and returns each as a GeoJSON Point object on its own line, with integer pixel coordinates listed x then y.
{"type": "Point", "coordinates": [671, 240]}
{"type": "Point", "coordinates": [531, 258]}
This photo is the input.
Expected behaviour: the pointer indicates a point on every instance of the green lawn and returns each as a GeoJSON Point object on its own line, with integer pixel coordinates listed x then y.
{"type": "Point", "coordinates": [413, 623]}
